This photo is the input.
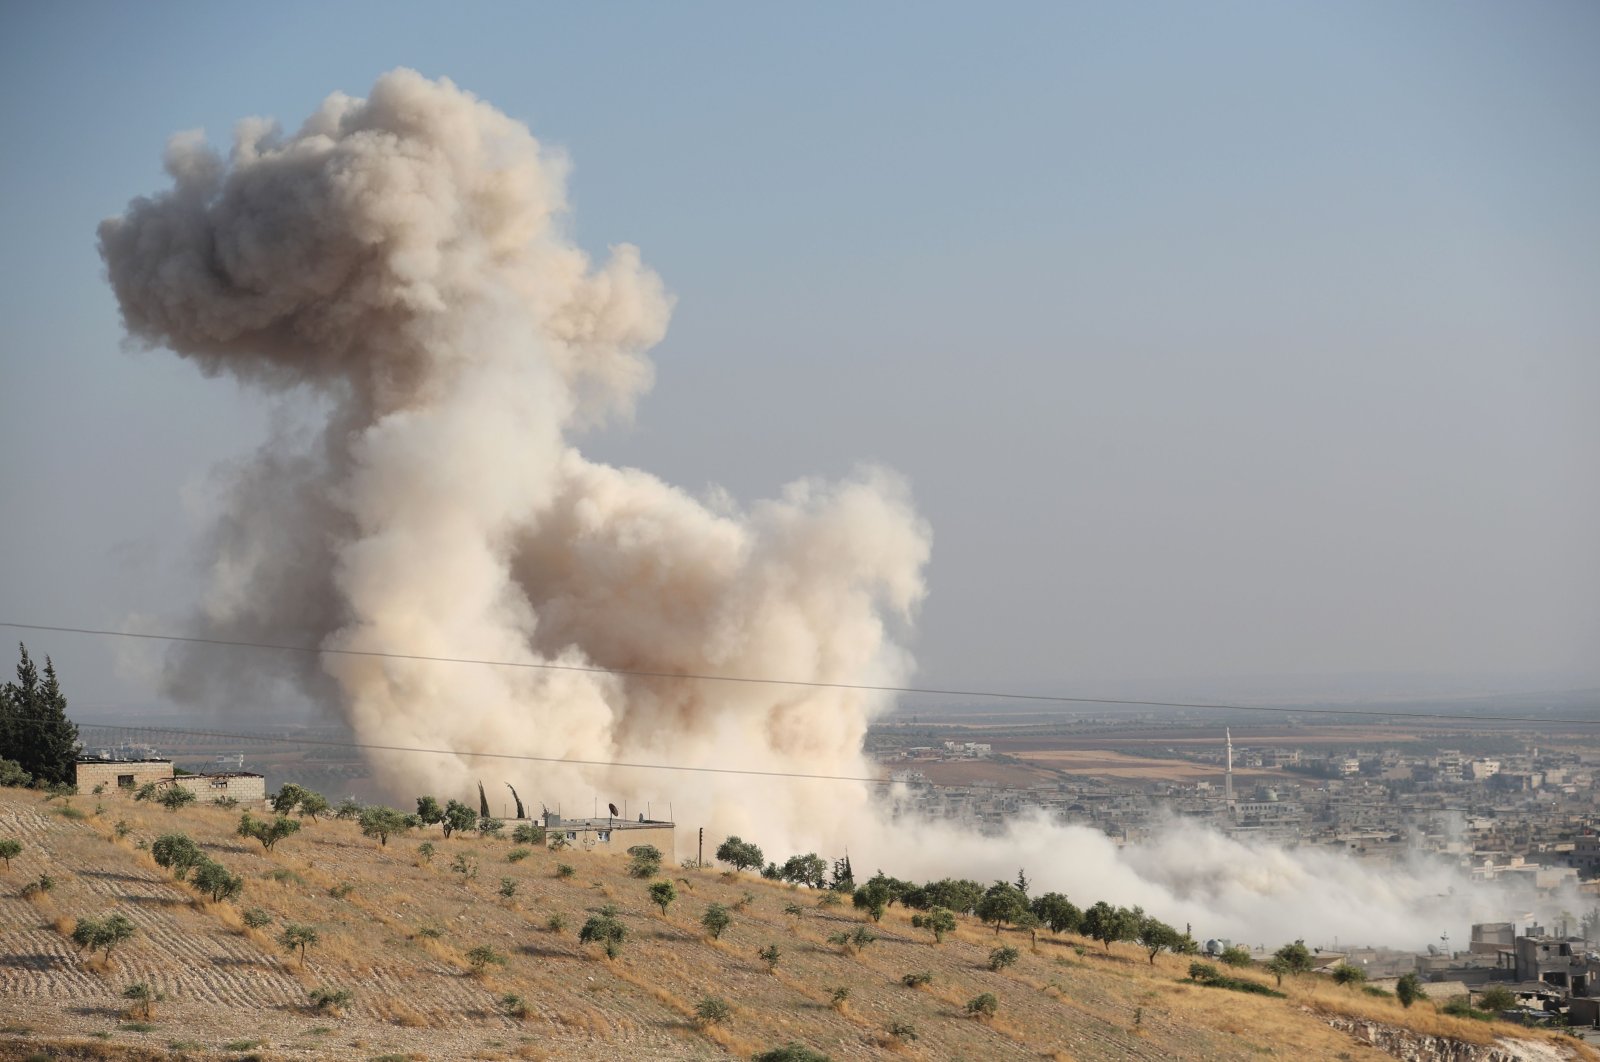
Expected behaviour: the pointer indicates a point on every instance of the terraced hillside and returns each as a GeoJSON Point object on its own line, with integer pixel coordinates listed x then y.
{"type": "Point", "coordinates": [396, 930]}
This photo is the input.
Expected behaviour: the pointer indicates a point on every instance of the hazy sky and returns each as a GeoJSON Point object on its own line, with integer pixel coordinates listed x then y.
{"type": "Point", "coordinates": [1216, 342]}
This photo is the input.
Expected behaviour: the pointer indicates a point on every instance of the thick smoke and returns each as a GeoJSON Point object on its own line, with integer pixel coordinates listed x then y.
{"type": "Point", "coordinates": [398, 267]}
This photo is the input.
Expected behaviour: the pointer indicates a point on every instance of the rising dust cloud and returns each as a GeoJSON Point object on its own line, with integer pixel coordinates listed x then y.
{"type": "Point", "coordinates": [399, 267]}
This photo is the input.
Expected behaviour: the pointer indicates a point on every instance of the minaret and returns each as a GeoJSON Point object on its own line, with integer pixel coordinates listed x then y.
{"type": "Point", "coordinates": [1227, 782]}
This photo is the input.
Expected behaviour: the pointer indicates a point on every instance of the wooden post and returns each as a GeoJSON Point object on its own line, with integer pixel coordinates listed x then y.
{"type": "Point", "coordinates": [700, 860]}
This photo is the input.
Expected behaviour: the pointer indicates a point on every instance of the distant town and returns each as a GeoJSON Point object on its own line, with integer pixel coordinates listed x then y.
{"type": "Point", "coordinates": [1496, 802]}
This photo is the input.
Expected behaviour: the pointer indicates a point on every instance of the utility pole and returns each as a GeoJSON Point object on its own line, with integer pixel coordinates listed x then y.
{"type": "Point", "coordinates": [700, 859]}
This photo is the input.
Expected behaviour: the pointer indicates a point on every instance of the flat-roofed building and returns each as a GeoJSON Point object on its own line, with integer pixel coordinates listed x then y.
{"type": "Point", "coordinates": [613, 834]}
{"type": "Point", "coordinates": [242, 786]}
{"type": "Point", "coordinates": [119, 774]}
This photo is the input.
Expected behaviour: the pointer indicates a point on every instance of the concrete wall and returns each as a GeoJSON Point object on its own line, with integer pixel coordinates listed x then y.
{"type": "Point", "coordinates": [245, 788]}
{"type": "Point", "coordinates": [618, 839]}
{"type": "Point", "coordinates": [124, 774]}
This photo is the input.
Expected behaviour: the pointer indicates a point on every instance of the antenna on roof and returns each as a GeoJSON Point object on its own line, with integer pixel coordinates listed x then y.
{"type": "Point", "coordinates": [613, 809]}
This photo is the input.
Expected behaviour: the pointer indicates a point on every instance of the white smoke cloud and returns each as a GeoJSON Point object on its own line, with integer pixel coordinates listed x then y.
{"type": "Point", "coordinates": [399, 264]}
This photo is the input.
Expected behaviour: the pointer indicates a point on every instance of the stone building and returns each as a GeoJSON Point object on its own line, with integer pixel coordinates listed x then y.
{"type": "Point", "coordinates": [119, 774]}
{"type": "Point", "coordinates": [613, 834]}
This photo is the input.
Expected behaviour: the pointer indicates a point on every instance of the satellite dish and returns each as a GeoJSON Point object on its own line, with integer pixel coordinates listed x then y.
{"type": "Point", "coordinates": [614, 811]}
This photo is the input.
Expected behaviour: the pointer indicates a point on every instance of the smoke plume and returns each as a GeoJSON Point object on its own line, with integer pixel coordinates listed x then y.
{"type": "Point", "coordinates": [398, 269]}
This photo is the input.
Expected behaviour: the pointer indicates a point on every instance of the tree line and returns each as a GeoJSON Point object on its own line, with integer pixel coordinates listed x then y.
{"type": "Point", "coordinates": [38, 743]}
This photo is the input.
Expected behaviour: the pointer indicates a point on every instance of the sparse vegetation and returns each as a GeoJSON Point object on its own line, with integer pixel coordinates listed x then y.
{"type": "Point", "coordinates": [483, 956]}
{"type": "Point", "coordinates": [514, 1006]}
{"type": "Point", "coordinates": [256, 918]}
{"type": "Point", "coordinates": [853, 941]}
{"type": "Point", "coordinates": [174, 797]}
{"type": "Point", "coordinates": [488, 826]}
{"type": "Point", "coordinates": [938, 921]}
{"type": "Point", "coordinates": [508, 887]}
{"type": "Point", "coordinates": [330, 1000]}
{"type": "Point", "coordinates": [528, 833]}
{"type": "Point", "coordinates": [918, 979]}
{"type": "Point", "coordinates": [662, 893]}
{"type": "Point", "coordinates": [9, 850]}
{"type": "Point", "coordinates": [380, 821]}
{"type": "Point", "coordinates": [425, 850]}
{"type": "Point", "coordinates": [1408, 990]}
{"type": "Point", "coordinates": [1235, 955]}
{"type": "Point", "coordinates": [739, 854]}
{"type": "Point", "coordinates": [555, 923]}
{"type": "Point", "coordinates": [1349, 976]}
{"type": "Point", "coordinates": [517, 855]}
{"type": "Point", "coordinates": [715, 920]}
{"type": "Point", "coordinates": [39, 886]}
{"type": "Point", "coordinates": [176, 852]}
{"type": "Point", "coordinates": [770, 955]}
{"type": "Point", "coordinates": [298, 938]}
{"type": "Point", "coordinates": [564, 870]}
{"type": "Point", "coordinates": [712, 1010]}
{"type": "Point", "coordinates": [1003, 956]}
{"type": "Point", "coordinates": [102, 934]}
{"type": "Point", "coordinates": [213, 879]}
{"type": "Point", "coordinates": [983, 1006]}
{"type": "Point", "coordinates": [143, 997]}
{"type": "Point", "coordinates": [791, 1052]}
{"type": "Point", "coordinates": [605, 930]}
{"type": "Point", "coordinates": [268, 833]}
{"type": "Point", "coordinates": [644, 861]}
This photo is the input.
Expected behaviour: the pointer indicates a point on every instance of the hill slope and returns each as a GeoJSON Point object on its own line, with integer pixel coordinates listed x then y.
{"type": "Point", "coordinates": [395, 930]}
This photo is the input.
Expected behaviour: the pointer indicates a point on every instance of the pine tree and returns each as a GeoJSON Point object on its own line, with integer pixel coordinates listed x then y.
{"type": "Point", "coordinates": [34, 729]}
{"type": "Point", "coordinates": [56, 743]}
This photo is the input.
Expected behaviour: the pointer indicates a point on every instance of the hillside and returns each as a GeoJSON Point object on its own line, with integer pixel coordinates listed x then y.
{"type": "Point", "coordinates": [395, 930]}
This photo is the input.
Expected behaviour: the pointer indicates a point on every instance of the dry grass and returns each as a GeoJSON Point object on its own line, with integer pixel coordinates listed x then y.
{"type": "Point", "coordinates": [228, 982]}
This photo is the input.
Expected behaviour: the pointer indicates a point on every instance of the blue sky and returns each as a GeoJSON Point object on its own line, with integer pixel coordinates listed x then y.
{"type": "Point", "coordinates": [1217, 342]}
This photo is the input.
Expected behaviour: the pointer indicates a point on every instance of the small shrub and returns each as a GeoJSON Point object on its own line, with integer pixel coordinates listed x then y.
{"type": "Point", "coordinates": [425, 850]}
{"type": "Point", "coordinates": [45, 883]}
{"type": "Point", "coordinates": [213, 879]}
{"type": "Point", "coordinates": [175, 797]}
{"type": "Point", "coordinates": [143, 997]}
{"type": "Point", "coordinates": [136, 1026]}
{"type": "Point", "coordinates": [508, 887]}
{"type": "Point", "coordinates": [744, 901]}
{"type": "Point", "coordinates": [465, 866]}
{"type": "Point", "coordinates": [715, 920]}
{"type": "Point", "coordinates": [917, 980]}
{"type": "Point", "coordinates": [791, 1052]}
{"type": "Point", "coordinates": [514, 1006]}
{"type": "Point", "coordinates": [330, 1000]}
{"type": "Point", "coordinates": [645, 861]}
{"type": "Point", "coordinates": [67, 811]}
{"type": "Point", "coordinates": [241, 1045]}
{"type": "Point", "coordinates": [841, 995]}
{"type": "Point", "coordinates": [256, 918]}
{"type": "Point", "coordinates": [430, 932]}
{"type": "Point", "coordinates": [121, 829]}
{"type": "Point", "coordinates": [483, 956]}
{"type": "Point", "coordinates": [770, 955]}
{"type": "Point", "coordinates": [565, 870]}
{"type": "Point", "coordinates": [712, 1010]}
{"type": "Point", "coordinates": [902, 1032]}
{"type": "Point", "coordinates": [555, 923]}
{"type": "Point", "coordinates": [227, 803]}
{"type": "Point", "coordinates": [1002, 957]}
{"type": "Point", "coordinates": [794, 910]}
{"type": "Point", "coordinates": [517, 855]}
{"type": "Point", "coordinates": [853, 941]}
{"type": "Point", "coordinates": [662, 893]}
{"type": "Point", "coordinates": [604, 929]}
{"type": "Point", "coordinates": [1236, 955]}
{"type": "Point", "coordinates": [490, 827]}
{"type": "Point", "coordinates": [829, 899]}
{"type": "Point", "coordinates": [528, 833]}
{"type": "Point", "coordinates": [983, 1006]}
{"type": "Point", "coordinates": [341, 890]}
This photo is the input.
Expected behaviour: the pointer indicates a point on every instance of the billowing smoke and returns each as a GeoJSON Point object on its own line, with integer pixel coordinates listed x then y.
{"type": "Point", "coordinates": [398, 268]}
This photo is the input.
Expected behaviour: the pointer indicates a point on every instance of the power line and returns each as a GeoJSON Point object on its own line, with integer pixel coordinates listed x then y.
{"type": "Point", "coordinates": [804, 683]}
{"type": "Point", "coordinates": [799, 775]}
